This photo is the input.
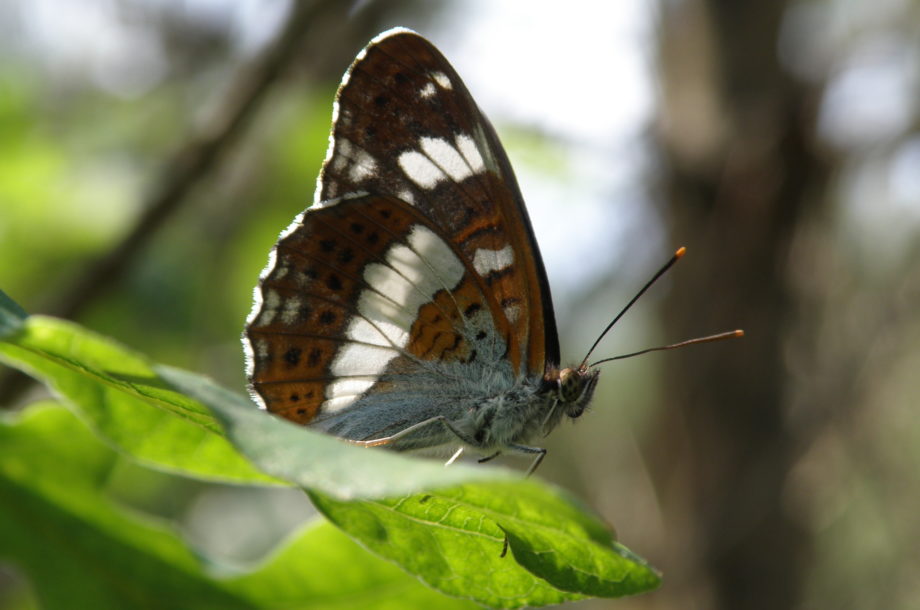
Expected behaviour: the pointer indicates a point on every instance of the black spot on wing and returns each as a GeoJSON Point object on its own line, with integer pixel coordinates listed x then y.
{"type": "Point", "coordinates": [292, 356]}
{"type": "Point", "coordinates": [327, 317]}
{"type": "Point", "coordinates": [496, 275]}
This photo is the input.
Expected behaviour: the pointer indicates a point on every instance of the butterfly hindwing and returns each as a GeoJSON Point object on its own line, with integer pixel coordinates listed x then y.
{"type": "Point", "coordinates": [365, 296]}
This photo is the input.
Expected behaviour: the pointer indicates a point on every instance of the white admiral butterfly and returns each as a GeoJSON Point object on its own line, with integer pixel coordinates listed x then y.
{"type": "Point", "coordinates": [409, 306]}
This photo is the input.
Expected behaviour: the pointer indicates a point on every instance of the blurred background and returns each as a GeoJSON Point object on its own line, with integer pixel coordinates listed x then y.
{"type": "Point", "coordinates": [153, 150]}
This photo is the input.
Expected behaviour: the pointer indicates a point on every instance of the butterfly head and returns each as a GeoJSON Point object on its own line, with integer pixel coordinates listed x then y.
{"type": "Point", "coordinates": [574, 388]}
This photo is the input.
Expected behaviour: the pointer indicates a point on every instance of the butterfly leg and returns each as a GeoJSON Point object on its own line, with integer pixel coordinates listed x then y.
{"type": "Point", "coordinates": [438, 419]}
{"type": "Point", "coordinates": [489, 457]}
{"type": "Point", "coordinates": [540, 452]}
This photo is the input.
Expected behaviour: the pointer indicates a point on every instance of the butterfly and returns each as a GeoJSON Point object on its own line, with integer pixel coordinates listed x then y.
{"type": "Point", "coordinates": [408, 307]}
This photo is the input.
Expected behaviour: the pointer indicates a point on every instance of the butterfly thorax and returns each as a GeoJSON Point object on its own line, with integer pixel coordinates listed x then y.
{"type": "Point", "coordinates": [533, 408]}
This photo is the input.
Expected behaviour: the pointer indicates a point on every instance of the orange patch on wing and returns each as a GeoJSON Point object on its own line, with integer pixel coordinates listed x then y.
{"type": "Point", "coordinates": [438, 331]}
{"type": "Point", "coordinates": [298, 401]}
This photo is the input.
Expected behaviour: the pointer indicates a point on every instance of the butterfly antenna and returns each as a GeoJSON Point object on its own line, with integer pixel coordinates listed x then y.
{"type": "Point", "coordinates": [732, 334]}
{"type": "Point", "coordinates": [679, 253]}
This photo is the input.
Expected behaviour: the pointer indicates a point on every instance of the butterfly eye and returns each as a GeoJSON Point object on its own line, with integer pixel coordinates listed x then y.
{"type": "Point", "coordinates": [576, 388]}
{"type": "Point", "coordinates": [570, 386]}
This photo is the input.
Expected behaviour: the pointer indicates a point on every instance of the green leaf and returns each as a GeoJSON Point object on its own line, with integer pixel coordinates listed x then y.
{"type": "Point", "coordinates": [338, 573]}
{"type": "Point", "coordinates": [120, 396]}
{"type": "Point", "coordinates": [81, 550]}
{"type": "Point", "coordinates": [453, 540]}
{"type": "Point", "coordinates": [554, 538]}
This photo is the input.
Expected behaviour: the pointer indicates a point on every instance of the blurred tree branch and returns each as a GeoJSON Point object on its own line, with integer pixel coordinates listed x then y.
{"type": "Point", "coordinates": [742, 174]}
{"type": "Point", "coordinates": [191, 163]}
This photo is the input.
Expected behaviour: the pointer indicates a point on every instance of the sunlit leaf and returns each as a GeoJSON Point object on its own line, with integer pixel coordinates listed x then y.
{"type": "Point", "coordinates": [450, 534]}
{"type": "Point", "coordinates": [117, 393]}
{"type": "Point", "coordinates": [453, 540]}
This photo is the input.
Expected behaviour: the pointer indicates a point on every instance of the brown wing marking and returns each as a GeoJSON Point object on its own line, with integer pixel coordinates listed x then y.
{"type": "Point", "coordinates": [436, 336]}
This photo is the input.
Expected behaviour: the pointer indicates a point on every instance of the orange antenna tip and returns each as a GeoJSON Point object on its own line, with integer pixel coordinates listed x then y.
{"type": "Point", "coordinates": [658, 274]}
{"type": "Point", "coordinates": [739, 333]}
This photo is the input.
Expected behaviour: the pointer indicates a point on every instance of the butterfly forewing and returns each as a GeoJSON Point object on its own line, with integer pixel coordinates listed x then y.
{"type": "Point", "coordinates": [406, 126]}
